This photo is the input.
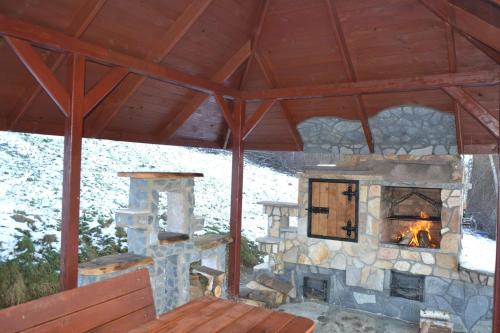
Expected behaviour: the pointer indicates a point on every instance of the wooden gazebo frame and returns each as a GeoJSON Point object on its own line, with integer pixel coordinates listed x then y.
{"type": "Point", "coordinates": [473, 21]}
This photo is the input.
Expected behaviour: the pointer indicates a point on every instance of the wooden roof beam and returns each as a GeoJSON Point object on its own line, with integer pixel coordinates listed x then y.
{"type": "Point", "coordinates": [41, 73]}
{"type": "Point", "coordinates": [481, 33]}
{"type": "Point", "coordinates": [85, 15]}
{"type": "Point", "coordinates": [173, 123]}
{"type": "Point", "coordinates": [474, 108]}
{"type": "Point", "coordinates": [226, 113]}
{"type": "Point", "coordinates": [351, 73]}
{"type": "Point", "coordinates": [268, 73]}
{"type": "Point", "coordinates": [416, 83]}
{"type": "Point", "coordinates": [55, 40]}
{"type": "Point", "coordinates": [162, 47]}
{"type": "Point", "coordinates": [256, 118]}
{"type": "Point", "coordinates": [103, 88]}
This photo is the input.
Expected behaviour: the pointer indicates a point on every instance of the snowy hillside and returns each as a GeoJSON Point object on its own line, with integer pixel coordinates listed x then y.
{"type": "Point", "coordinates": [31, 184]}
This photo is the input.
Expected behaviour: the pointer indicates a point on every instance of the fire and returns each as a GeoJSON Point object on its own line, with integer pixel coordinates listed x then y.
{"type": "Point", "coordinates": [419, 226]}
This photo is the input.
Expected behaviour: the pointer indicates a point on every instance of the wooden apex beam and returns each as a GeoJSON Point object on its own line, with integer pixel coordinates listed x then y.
{"type": "Point", "coordinates": [474, 108]}
{"type": "Point", "coordinates": [458, 128]}
{"type": "Point", "coordinates": [225, 111]}
{"type": "Point", "coordinates": [81, 21]}
{"type": "Point", "coordinates": [58, 41]}
{"type": "Point", "coordinates": [103, 88]}
{"type": "Point", "coordinates": [42, 74]}
{"type": "Point", "coordinates": [161, 48]}
{"type": "Point", "coordinates": [424, 82]}
{"type": "Point", "coordinates": [256, 118]}
{"type": "Point", "coordinates": [172, 124]}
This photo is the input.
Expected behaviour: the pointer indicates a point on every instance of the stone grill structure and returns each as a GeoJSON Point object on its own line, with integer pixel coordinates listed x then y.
{"type": "Point", "coordinates": [360, 272]}
{"type": "Point", "coordinates": [170, 271]}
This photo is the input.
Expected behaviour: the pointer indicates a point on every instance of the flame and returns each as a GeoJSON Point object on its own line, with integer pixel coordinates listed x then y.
{"type": "Point", "coordinates": [424, 215]}
{"type": "Point", "coordinates": [415, 228]}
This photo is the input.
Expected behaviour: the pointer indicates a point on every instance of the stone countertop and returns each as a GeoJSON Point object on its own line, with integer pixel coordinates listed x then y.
{"type": "Point", "coordinates": [159, 175]}
{"type": "Point", "coordinates": [278, 204]}
{"type": "Point", "coordinates": [113, 263]}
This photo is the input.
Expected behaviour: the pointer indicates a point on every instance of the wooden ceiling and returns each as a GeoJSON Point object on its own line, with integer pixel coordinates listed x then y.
{"type": "Point", "coordinates": [342, 58]}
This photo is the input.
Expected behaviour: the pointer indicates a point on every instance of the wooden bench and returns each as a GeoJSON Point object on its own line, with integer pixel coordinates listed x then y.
{"type": "Point", "coordinates": [115, 305]}
{"type": "Point", "coordinates": [125, 304]}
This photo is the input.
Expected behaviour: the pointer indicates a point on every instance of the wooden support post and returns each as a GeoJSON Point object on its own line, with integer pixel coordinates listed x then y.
{"type": "Point", "coordinates": [71, 177]}
{"type": "Point", "coordinates": [496, 291]}
{"type": "Point", "coordinates": [236, 199]}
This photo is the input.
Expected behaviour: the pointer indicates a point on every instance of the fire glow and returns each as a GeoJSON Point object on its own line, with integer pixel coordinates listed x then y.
{"type": "Point", "coordinates": [418, 234]}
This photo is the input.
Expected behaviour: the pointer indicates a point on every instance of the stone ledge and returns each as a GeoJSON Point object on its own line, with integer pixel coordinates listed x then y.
{"type": "Point", "coordinates": [159, 175]}
{"type": "Point", "coordinates": [166, 237]}
{"type": "Point", "coordinates": [209, 241]}
{"type": "Point", "coordinates": [268, 240]}
{"type": "Point", "coordinates": [113, 263]}
{"type": "Point", "coordinates": [278, 204]}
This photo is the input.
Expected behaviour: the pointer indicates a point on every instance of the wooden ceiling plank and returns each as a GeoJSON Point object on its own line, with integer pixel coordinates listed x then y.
{"type": "Point", "coordinates": [480, 33]}
{"type": "Point", "coordinates": [221, 102]}
{"type": "Point", "coordinates": [416, 83]}
{"type": "Point", "coordinates": [255, 118]}
{"type": "Point", "coordinates": [268, 73]}
{"type": "Point", "coordinates": [42, 74]}
{"type": "Point", "coordinates": [55, 40]}
{"type": "Point", "coordinates": [85, 15]}
{"type": "Point", "coordinates": [174, 122]}
{"type": "Point", "coordinates": [162, 47]}
{"type": "Point", "coordinates": [103, 88]}
{"type": "Point", "coordinates": [474, 108]}
{"type": "Point", "coordinates": [349, 69]}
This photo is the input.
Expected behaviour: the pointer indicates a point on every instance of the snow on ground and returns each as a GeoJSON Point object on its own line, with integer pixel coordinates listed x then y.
{"type": "Point", "coordinates": [478, 253]}
{"type": "Point", "coordinates": [31, 182]}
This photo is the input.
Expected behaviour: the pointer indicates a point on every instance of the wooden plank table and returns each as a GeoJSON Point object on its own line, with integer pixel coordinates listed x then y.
{"type": "Point", "coordinates": [210, 314]}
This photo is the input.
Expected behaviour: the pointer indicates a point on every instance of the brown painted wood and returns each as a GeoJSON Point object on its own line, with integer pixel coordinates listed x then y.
{"type": "Point", "coordinates": [58, 41]}
{"type": "Point", "coordinates": [224, 108]}
{"type": "Point", "coordinates": [167, 237]}
{"type": "Point", "coordinates": [65, 310]}
{"type": "Point", "coordinates": [163, 46]}
{"type": "Point", "coordinates": [255, 118]}
{"type": "Point", "coordinates": [42, 74]}
{"type": "Point", "coordinates": [236, 199]}
{"type": "Point", "coordinates": [298, 325]}
{"type": "Point", "coordinates": [474, 109]}
{"type": "Point", "coordinates": [103, 88]}
{"type": "Point", "coordinates": [79, 24]}
{"type": "Point", "coordinates": [458, 128]}
{"type": "Point", "coordinates": [214, 324]}
{"type": "Point", "coordinates": [273, 323]}
{"type": "Point", "coordinates": [425, 82]}
{"type": "Point", "coordinates": [271, 80]}
{"type": "Point", "coordinates": [113, 263]}
{"type": "Point", "coordinates": [245, 323]}
{"type": "Point", "coordinates": [172, 124]}
{"type": "Point", "coordinates": [71, 174]}
{"type": "Point", "coordinates": [496, 286]}
{"type": "Point", "coordinates": [128, 322]}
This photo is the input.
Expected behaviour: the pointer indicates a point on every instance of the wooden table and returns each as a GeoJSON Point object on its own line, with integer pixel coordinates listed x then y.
{"type": "Point", "coordinates": [210, 314]}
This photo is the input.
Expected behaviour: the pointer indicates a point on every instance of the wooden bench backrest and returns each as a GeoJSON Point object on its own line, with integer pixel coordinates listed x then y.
{"type": "Point", "coordinates": [114, 305]}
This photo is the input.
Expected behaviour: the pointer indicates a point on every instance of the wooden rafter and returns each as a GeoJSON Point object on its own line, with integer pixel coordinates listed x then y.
{"type": "Point", "coordinates": [474, 108]}
{"type": "Point", "coordinates": [458, 128]}
{"type": "Point", "coordinates": [482, 34]}
{"type": "Point", "coordinates": [257, 32]}
{"type": "Point", "coordinates": [55, 40]}
{"type": "Point", "coordinates": [226, 113]}
{"type": "Point", "coordinates": [78, 26]}
{"type": "Point", "coordinates": [423, 82]}
{"type": "Point", "coordinates": [273, 82]}
{"type": "Point", "coordinates": [173, 123]}
{"type": "Point", "coordinates": [41, 73]}
{"type": "Point", "coordinates": [103, 88]}
{"type": "Point", "coordinates": [256, 117]}
{"type": "Point", "coordinates": [349, 69]}
{"type": "Point", "coordinates": [161, 48]}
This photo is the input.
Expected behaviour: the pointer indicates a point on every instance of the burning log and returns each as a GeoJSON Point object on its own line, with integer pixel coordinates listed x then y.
{"type": "Point", "coordinates": [405, 239]}
{"type": "Point", "coordinates": [423, 238]}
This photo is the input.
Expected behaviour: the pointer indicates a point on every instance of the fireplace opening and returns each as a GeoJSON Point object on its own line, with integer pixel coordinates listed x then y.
{"type": "Point", "coordinates": [407, 286]}
{"type": "Point", "coordinates": [316, 288]}
{"type": "Point", "coordinates": [413, 216]}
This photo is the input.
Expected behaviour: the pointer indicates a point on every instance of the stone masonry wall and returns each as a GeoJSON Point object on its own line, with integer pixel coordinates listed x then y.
{"type": "Point", "coordinates": [401, 130]}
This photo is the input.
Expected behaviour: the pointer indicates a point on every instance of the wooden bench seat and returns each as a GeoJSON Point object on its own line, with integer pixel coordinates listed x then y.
{"type": "Point", "coordinates": [125, 304]}
{"type": "Point", "coordinates": [115, 305]}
